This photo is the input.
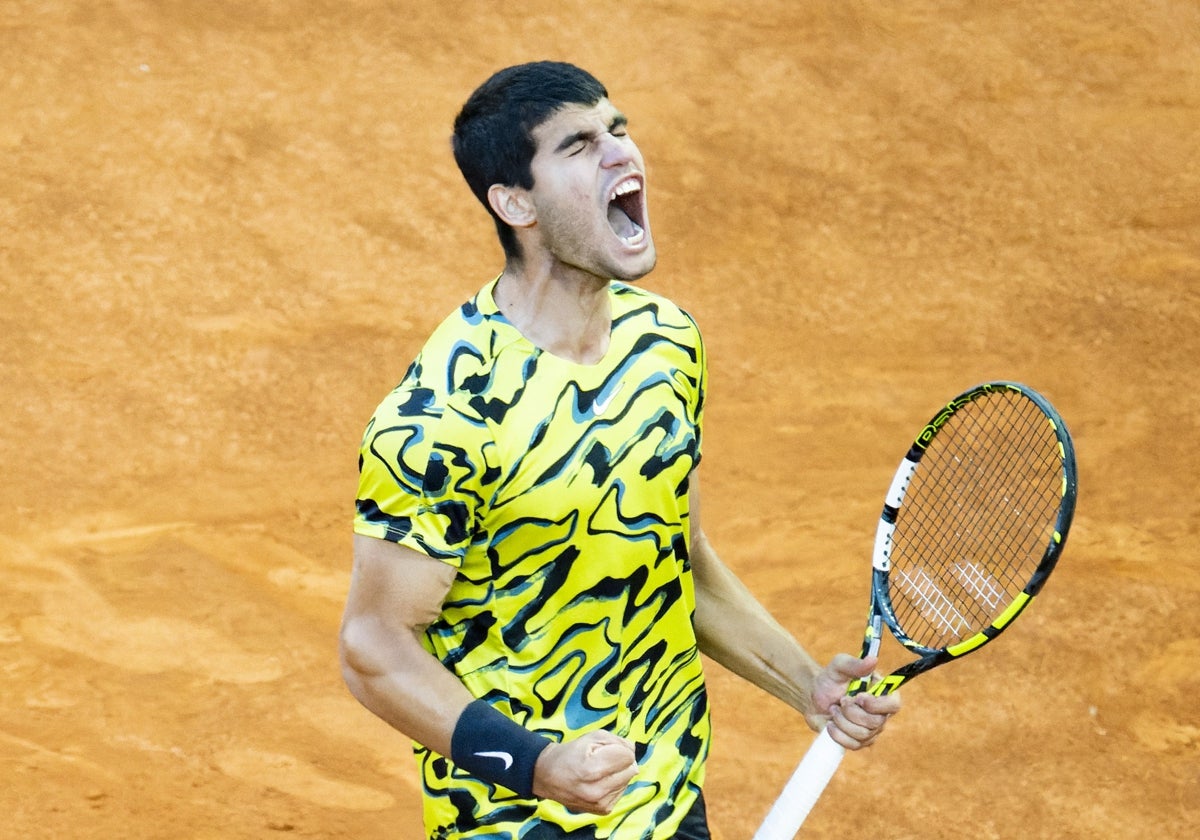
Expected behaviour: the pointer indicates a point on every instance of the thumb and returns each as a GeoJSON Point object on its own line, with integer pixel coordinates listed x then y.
{"type": "Point", "coordinates": [603, 738]}
{"type": "Point", "coordinates": [850, 667]}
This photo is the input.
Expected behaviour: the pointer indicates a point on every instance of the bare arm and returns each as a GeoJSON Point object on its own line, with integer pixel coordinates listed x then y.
{"type": "Point", "coordinates": [735, 630]}
{"type": "Point", "coordinates": [395, 593]}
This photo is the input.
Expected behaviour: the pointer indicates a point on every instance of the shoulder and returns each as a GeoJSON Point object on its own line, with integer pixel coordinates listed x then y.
{"type": "Point", "coordinates": [458, 351]}
{"type": "Point", "coordinates": [634, 302]}
{"type": "Point", "coordinates": [463, 344]}
{"type": "Point", "coordinates": [432, 408]}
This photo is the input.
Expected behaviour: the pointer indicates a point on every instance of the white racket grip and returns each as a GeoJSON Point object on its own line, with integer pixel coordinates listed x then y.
{"type": "Point", "coordinates": [803, 789]}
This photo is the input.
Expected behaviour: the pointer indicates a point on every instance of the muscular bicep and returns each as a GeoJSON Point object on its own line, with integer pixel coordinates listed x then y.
{"type": "Point", "coordinates": [396, 584]}
{"type": "Point", "coordinates": [713, 581]}
{"type": "Point", "coordinates": [395, 593]}
{"type": "Point", "coordinates": [695, 529]}
{"type": "Point", "coordinates": [709, 572]}
{"type": "Point", "coordinates": [734, 629]}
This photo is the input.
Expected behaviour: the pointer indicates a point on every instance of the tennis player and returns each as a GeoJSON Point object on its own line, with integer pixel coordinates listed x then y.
{"type": "Point", "coordinates": [532, 585]}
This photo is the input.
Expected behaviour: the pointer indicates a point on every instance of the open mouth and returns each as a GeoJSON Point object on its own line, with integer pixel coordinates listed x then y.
{"type": "Point", "coordinates": [626, 212]}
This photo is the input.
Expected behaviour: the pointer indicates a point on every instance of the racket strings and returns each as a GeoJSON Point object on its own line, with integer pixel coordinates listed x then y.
{"type": "Point", "coordinates": [976, 519]}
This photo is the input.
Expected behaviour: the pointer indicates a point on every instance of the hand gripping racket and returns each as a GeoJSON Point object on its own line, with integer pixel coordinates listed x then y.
{"type": "Point", "coordinates": [973, 524]}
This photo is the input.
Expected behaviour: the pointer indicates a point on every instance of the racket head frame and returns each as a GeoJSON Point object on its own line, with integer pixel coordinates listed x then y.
{"type": "Point", "coordinates": [882, 612]}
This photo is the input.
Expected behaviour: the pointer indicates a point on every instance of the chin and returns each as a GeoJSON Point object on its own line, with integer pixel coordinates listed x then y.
{"type": "Point", "coordinates": [636, 266]}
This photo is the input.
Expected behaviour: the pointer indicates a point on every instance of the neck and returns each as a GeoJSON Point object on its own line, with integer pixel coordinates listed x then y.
{"type": "Point", "coordinates": [564, 313]}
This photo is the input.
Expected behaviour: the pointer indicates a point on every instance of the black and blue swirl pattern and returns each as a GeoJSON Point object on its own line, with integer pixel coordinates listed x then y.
{"type": "Point", "coordinates": [560, 493]}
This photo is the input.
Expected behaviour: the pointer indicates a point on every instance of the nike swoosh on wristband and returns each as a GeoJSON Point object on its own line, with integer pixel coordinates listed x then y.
{"type": "Point", "coordinates": [503, 756]}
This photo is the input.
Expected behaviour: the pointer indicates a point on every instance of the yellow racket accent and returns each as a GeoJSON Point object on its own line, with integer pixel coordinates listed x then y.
{"type": "Point", "coordinates": [999, 624]}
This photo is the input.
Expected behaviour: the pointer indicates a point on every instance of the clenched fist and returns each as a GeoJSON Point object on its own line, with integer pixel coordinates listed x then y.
{"type": "Point", "coordinates": [587, 774]}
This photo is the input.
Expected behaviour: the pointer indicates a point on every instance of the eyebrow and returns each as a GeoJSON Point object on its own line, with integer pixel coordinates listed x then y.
{"type": "Point", "coordinates": [618, 121]}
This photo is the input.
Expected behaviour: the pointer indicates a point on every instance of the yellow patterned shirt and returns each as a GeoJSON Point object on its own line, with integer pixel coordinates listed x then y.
{"type": "Point", "coordinates": [559, 491]}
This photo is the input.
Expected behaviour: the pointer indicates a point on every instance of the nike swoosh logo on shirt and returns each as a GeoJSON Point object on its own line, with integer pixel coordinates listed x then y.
{"type": "Point", "coordinates": [503, 756]}
{"type": "Point", "coordinates": [600, 406]}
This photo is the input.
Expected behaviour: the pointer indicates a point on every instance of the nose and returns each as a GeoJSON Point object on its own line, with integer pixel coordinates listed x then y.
{"type": "Point", "coordinates": [617, 151]}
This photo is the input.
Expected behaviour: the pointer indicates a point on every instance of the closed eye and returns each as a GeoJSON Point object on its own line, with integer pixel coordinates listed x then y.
{"type": "Point", "coordinates": [575, 143]}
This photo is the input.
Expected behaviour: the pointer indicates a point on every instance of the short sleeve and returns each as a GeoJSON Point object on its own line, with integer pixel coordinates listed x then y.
{"type": "Point", "coordinates": [700, 379]}
{"type": "Point", "coordinates": [421, 473]}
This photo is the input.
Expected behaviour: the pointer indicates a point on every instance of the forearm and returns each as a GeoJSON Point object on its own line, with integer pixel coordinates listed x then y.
{"type": "Point", "coordinates": [737, 632]}
{"type": "Point", "coordinates": [414, 693]}
{"type": "Point", "coordinates": [399, 681]}
{"type": "Point", "coordinates": [395, 593]}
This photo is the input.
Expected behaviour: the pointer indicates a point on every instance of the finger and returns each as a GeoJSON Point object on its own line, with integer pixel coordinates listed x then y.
{"type": "Point", "coordinates": [602, 737]}
{"type": "Point", "coordinates": [845, 667]}
{"type": "Point", "coordinates": [608, 770]}
{"type": "Point", "coordinates": [865, 713]}
{"type": "Point", "coordinates": [618, 780]}
{"type": "Point", "coordinates": [610, 788]}
{"type": "Point", "coordinates": [610, 756]}
{"type": "Point", "coordinates": [857, 731]}
{"type": "Point", "coordinates": [886, 704]}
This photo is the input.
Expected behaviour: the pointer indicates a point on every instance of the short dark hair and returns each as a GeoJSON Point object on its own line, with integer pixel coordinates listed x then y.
{"type": "Point", "coordinates": [493, 133]}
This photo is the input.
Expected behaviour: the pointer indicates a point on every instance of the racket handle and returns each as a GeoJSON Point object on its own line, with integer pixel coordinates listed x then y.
{"type": "Point", "coordinates": [803, 789]}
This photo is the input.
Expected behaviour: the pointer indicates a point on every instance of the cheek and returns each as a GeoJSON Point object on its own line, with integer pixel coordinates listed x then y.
{"type": "Point", "coordinates": [578, 196]}
{"type": "Point", "coordinates": [572, 210]}
{"type": "Point", "coordinates": [557, 196]}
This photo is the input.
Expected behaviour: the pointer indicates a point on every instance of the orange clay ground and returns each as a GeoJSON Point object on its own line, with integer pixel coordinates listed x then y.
{"type": "Point", "coordinates": [227, 226]}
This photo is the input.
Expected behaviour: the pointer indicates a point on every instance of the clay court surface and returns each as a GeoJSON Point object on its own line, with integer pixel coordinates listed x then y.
{"type": "Point", "coordinates": [225, 227]}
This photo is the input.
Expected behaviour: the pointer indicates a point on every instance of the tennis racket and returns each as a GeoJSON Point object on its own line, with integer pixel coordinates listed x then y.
{"type": "Point", "coordinates": [973, 523]}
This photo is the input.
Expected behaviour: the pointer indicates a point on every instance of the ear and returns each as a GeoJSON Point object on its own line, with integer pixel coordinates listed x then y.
{"type": "Point", "coordinates": [513, 205]}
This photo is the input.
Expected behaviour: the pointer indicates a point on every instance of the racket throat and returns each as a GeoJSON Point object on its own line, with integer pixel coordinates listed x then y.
{"type": "Point", "coordinates": [870, 648]}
